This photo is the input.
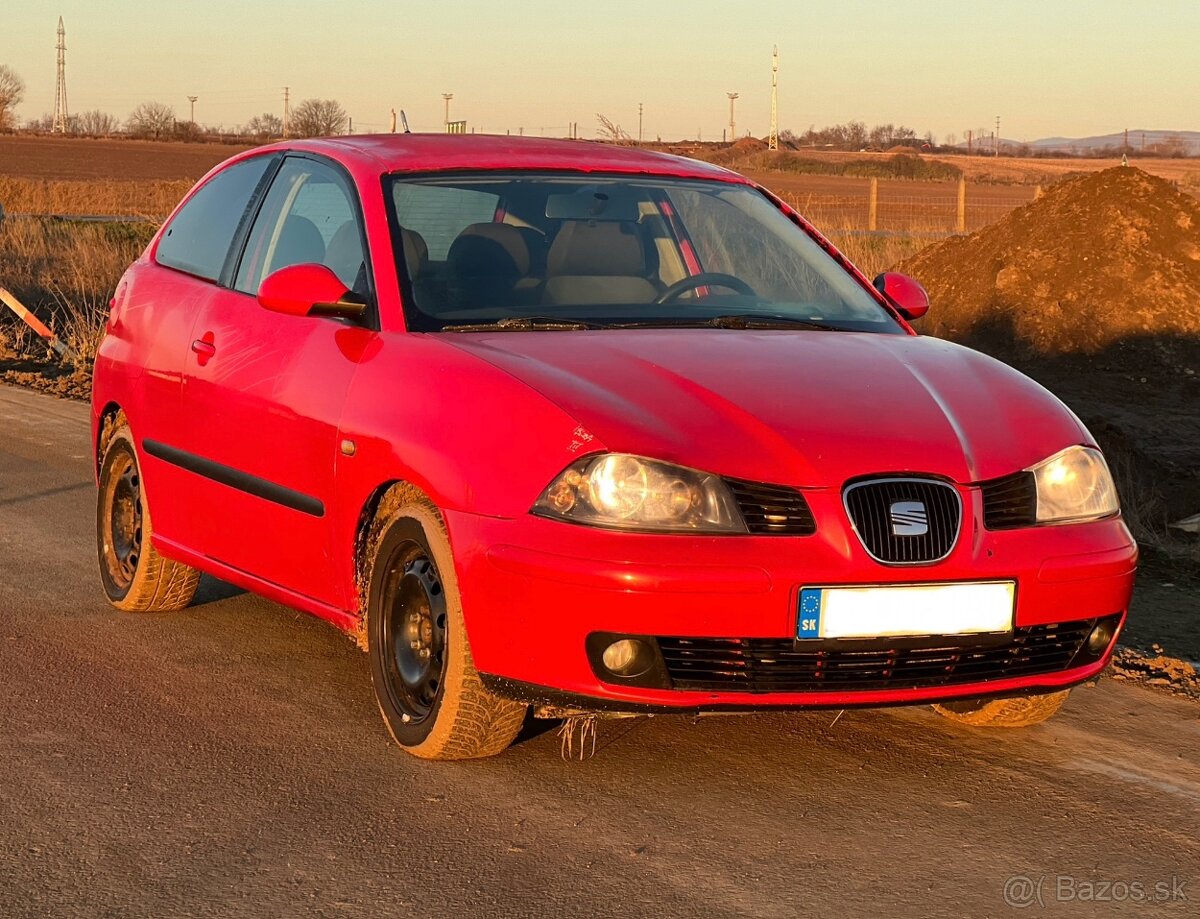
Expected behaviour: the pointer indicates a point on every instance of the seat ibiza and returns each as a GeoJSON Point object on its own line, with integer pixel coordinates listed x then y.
{"type": "Point", "coordinates": [558, 428]}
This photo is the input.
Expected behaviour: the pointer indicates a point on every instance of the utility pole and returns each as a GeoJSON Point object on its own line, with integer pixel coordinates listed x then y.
{"type": "Point", "coordinates": [446, 121]}
{"type": "Point", "coordinates": [639, 122]}
{"type": "Point", "coordinates": [997, 135]}
{"type": "Point", "coordinates": [192, 100]}
{"type": "Point", "coordinates": [1126, 148]}
{"type": "Point", "coordinates": [970, 142]}
{"type": "Point", "coordinates": [61, 115]}
{"type": "Point", "coordinates": [287, 113]}
{"type": "Point", "coordinates": [773, 137]}
{"type": "Point", "coordinates": [732, 121]}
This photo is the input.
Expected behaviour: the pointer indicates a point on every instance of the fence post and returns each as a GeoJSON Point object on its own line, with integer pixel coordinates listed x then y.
{"type": "Point", "coordinates": [962, 204]}
{"type": "Point", "coordinates": [873, 205]}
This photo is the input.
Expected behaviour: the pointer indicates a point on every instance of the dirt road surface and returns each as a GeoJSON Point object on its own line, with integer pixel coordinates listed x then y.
{"type": "Point", "coordinates": [229, 760]}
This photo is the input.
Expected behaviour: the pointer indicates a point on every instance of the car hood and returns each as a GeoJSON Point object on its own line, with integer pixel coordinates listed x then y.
{"type": "Point", "coordinates": [807, 408]}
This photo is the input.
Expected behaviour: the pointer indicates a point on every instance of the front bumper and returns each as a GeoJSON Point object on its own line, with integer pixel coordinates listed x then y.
{"type": "Point", "coordinates": [533, 590]}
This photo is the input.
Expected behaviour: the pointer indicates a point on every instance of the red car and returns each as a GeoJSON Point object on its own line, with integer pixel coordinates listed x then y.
{"type": "Point", "coordinates": [565, 427]}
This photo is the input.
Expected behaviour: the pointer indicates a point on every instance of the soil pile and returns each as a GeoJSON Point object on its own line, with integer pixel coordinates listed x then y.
{"type": "Point", "coordinates": [1096, 260]}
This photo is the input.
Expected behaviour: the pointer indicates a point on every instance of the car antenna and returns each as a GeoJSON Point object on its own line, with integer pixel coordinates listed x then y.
{"type": "Point", "coordinates": [404, 121]}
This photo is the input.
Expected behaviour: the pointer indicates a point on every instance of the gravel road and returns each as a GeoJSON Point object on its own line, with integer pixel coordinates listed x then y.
{"type": "Point", "coordinates": [229, 760]}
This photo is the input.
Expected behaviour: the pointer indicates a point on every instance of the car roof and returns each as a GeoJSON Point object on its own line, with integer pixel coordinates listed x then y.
{"type": "Point", "coordinates": [464, 152]}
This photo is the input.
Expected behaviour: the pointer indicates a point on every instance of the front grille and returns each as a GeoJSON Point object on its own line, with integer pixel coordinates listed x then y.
{"type": "Point", "coordinates": [772, 510]}
{"type": "Point", "coordinates": [905, 521]}
{"type": "Point", "coordinates": [774, 665]}
{"type": "Point", "coordinates": [1010, 502]}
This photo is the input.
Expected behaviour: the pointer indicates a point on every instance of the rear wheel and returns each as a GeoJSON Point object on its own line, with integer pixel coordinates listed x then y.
{"type": "Point", "coordinates": [135, 577]}
{"type": "Point", "coordinates": [1014, 712]}
{"type": "Point", "coordinates": [430, 695]}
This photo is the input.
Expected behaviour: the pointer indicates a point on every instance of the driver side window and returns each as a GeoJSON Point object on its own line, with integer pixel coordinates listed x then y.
{"type": "Point", "coordinates": [308, 216]}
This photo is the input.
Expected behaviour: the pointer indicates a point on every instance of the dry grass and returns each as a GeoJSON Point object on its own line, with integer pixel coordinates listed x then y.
{"type": "Point", "coordinates": [877, 252]}
{"type": "Point", "coordinates": [66, 273]}
{"type": "Point", "coordinates": [145, 199]}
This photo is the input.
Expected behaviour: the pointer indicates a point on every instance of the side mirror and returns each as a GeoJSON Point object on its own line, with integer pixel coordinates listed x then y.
{"type": "Point", "coordinates": [906, 294]}
{"type": "Point", "coordinates": [309, 290]}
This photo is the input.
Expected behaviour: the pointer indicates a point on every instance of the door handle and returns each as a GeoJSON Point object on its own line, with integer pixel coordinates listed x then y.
{"type": "Point", "coordinates": [204, 348]}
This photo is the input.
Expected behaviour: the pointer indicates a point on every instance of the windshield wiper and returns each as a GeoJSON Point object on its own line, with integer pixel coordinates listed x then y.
{"type": "Point", "coordinates": [521, 323]}
{"type": "Point", "coordinates": [767, 321]}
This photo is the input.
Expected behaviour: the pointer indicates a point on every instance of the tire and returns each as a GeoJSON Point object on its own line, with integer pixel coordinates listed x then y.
{"type": "Point", "coordinates": [430, 695]}
{"type": "Point", "coordinates": [135, 577]}
{"type": "Point", "coordinates": [1014, 712]}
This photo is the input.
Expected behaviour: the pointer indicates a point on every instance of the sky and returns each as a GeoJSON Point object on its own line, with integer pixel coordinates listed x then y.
{"type": "Point", "coordinates": [1045, 67]}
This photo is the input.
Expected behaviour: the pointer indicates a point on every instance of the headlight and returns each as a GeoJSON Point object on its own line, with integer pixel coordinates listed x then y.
{"type": "Point", "coordinates": [628, 492]}
{"type": "Point", "coordinates": [1074, 485]}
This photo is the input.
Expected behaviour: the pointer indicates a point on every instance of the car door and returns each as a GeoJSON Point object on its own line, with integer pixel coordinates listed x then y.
{"type": "Point", "coordinates": [263, 392]}
{"type": "Point", "coordinates": [160, 299]}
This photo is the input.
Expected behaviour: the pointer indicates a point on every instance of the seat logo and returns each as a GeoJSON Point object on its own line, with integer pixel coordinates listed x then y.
{"type": "Point", "coordinates": [909, 518]}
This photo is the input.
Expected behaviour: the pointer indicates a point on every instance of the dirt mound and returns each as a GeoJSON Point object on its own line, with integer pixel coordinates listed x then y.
{"type": "Point", "coordinates": [1096, 260]}
{"type": "Point", "coordinates": [1157, 669]}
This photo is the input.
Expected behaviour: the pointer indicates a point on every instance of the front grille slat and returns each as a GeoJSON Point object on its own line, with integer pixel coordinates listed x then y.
{"type": "Point", "coordinates": [1010, 502]}
{"type": "Point", "coordinates": [772, 510]}
{"type": "Point", "coordinates": [775, 665]}
{"type": "Point", "coordinates": [905, 521]}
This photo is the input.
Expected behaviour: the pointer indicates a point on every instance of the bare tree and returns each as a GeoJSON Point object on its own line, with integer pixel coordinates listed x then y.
{"type": "Point", "coordinates": [151, 119]}
{"type": "Point", "coordinates": [264, 126]}
{"type": "Point", "coordinates": [12, 91]}
{"type": "Point", "coordinates": [318, 118]}
{"type": "Point", "coordinates": [96, 123]}
{"type": "Point", "coordinates": [612, 132]}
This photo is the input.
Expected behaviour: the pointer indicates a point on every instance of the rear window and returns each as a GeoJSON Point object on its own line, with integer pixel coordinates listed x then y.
{"type": "Point", "coordinates": [440, 212]}
{"type": "Point", "coordinates": [198, 238]}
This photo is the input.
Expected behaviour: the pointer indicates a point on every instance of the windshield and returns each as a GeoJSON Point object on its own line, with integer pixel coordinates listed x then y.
{"type": "Point", "coordinates": [524, 251]}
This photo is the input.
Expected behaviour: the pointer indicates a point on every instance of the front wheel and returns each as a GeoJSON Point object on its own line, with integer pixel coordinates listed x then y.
{"type": "Point", "coordinates": [1014, 712]}
{"type": "Point", "coordinates": [430, 695]}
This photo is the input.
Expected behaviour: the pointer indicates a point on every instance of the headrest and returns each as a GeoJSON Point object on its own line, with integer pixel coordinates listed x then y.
{"type": "Point", "coordinates": [416, 252]}
{"type": "Point", "coordinates": [596, 248]}
{"type": "Point", "coordinates": [507, 237]}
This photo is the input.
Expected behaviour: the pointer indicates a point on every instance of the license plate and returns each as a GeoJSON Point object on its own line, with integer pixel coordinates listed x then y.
{"type": "Point", "coordinates": [906, 610]}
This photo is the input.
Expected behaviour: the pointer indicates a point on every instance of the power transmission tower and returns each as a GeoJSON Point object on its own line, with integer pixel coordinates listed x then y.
{"type": "Point", "coordinates": [639, 122]}
{"type": "Point", "coordinates": [732, 121]}
{"type": "Point", "coordinates": [287, 113]}
{"type": "Point", "coordinates": [997, 135]}
{"type": "Point", "coordinates": [773, 137]}
{"type": "Point", "coordinates": [60, 89]}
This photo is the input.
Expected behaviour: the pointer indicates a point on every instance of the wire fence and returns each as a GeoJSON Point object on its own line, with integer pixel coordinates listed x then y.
{"type": "Point", "coordinates": [884, 212]}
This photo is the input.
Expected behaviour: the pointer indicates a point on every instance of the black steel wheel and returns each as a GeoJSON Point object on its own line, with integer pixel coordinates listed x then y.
{"type": "Point", "coordinates": [134, 576]}
{"type": "Point", "coordinates": [429, 693]}
{"type": "Point", "coordinates": [414, 632]}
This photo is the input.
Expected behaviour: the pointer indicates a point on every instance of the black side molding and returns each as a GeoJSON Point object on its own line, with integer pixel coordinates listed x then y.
{"type": "Point", "coordinates": [235, 478]}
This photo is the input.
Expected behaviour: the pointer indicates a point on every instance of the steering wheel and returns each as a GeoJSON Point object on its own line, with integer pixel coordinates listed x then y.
{"type": "Point", "coordinates": [705, 279]}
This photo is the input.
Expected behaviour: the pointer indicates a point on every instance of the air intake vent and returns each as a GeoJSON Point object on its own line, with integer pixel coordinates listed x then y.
{"type": "Point", "coordinates": [775, 665]}
{"type": "Point", "coordinates": [905, 521]}
{"type": "Point", "coordinates": [772, 510]}
{"type": "Point", "coordinates": [1010, 502]}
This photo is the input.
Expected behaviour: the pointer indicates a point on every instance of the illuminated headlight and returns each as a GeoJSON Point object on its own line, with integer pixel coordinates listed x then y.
{"type": "Point", "coordinates": [628, 492]}
{"type": "Point", "coordinates": [1074, 485]}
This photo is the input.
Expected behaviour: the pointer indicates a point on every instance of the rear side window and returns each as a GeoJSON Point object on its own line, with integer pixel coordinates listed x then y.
{"type": "Point", "coordinates": [198, 238]}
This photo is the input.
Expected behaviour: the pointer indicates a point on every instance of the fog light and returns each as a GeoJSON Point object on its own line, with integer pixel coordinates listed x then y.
{"type": "Point", "coordinates": [1100, 638]}
{"type": "Point", "coordinates": [628, 657]}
